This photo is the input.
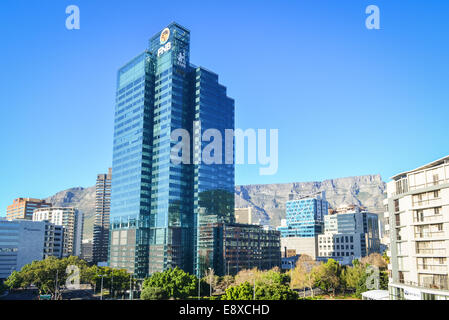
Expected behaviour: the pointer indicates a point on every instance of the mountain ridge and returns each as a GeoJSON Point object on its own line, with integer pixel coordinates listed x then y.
{"type": "Point", "coordinates": [268, 200]}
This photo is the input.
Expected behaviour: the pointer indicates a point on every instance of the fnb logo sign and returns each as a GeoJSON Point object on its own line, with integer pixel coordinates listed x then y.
{"type": "Point", "coordinates": [164, 49]}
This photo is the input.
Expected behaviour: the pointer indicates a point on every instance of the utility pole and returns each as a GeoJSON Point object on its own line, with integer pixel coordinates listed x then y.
{"type": "Point", "coordinates": [56, 283]}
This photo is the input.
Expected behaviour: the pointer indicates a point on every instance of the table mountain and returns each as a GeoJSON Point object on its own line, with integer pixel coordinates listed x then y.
{"type": "Point", "coordinates": [267, 200]}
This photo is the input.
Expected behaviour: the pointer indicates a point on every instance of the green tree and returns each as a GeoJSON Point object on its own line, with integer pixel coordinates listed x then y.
{"type": "Point", "coordinates": [174, 282]}
{"type": "Point", "coordinates": [275, 291]}
{"type": "Point", "coordinates": [273, 276]}
{"type": "Point", "coordinates": [328, 276]}
{"type": "Point", "coordinates": [14, 281]}
{"type": "Point", "coordinates": [350, 276]}
{"type": "Point", "coordinates": [47, 275]}
{"type": "Point", "coordinates": [153, 293]}
{"type": "Point", "coordinates": [304, 275]}
{"type": "Point", "coordinates": [366, 278]}
{"type": "Point", "coordinates": [243, 291]}
{"type": "Point", "coordinates": [116, 281]}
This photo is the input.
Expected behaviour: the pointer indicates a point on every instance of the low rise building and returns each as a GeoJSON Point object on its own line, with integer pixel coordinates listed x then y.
{"type": "Point", "coordinates": [230, 247]}
{"type": "Point", "coordinates": [24, 241]}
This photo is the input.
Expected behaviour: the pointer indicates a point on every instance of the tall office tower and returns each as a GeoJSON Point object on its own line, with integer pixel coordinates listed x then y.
{"type": "Point", "coordinates": [304, 222]}
{"type": "Point", "coordinates": [101, 223]}
{"type": "Point", "coordinates": [72, 221]}
{"type": "Point", "coordinates": [417, 211]}
{"type": "Point", "coordinates": [157, 205]}
{"type": "Point", "coordinates": [349, 234]}
{"type": "Point", "coordinates": [23, 208]}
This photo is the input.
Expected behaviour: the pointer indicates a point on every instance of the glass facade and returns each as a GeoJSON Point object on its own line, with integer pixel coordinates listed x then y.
{"type": "Point", "coordinates": [156, 204]}
{"type": "Point", "coordinates": [304, 217]}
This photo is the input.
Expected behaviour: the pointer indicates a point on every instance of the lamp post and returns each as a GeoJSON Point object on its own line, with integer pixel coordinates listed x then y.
{"type": "Point", "coordinates": [210, 282]}
{"type": "Point", "coordinates": [56, 283]}
{"type": "Point", "coordinates": [254, 288]}
{"type": "Point", "coordinates": [130, 286]}
{"type": "Point", "coordinates": [112, 284]}
{"type": "Point", "coordinates": [199, 286]}
{"type": "Point", "coordinates": [101, 290]}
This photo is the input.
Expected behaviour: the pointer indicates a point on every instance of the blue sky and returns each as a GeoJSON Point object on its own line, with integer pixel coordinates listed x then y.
{"type": "Point", "coordinates": [347, 100]}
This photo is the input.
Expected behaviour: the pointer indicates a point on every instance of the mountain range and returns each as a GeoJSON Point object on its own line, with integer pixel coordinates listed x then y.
{"type": "Point", "coordinates": [267, 200]}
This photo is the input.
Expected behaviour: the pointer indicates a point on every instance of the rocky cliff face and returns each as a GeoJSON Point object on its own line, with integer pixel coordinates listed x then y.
{"type": "Point", "coordinates": [81, 198]}
{"type": "Point", "coordinates": [267, 200]}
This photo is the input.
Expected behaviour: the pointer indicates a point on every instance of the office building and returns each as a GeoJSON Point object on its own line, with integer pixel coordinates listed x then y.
{"type": "Point", "coordinates": [349, 235]}
{"type": "Point", "coordinates": [23, 208]}
{"type": "Point", "coordinates": [24, 241]}
{"type": "Point", "coordinates": [243, 215]}
{"type": "Point", "coordinates": [304, 222]}
{"type": "Point", "coordinates": [101, 223]}
{"type": "Point", "coordinates": [417, 212]}
{"type": "Point", "coordinates": [304, 216]}
{"type": "Point", "coordinates": [231, 247]}
{"type": "Point", "coordinates": [87, 248]}
{"type": "Point", "coordinates": [72, 221]}
{"type": "Point", "coordinates": [156, 203]}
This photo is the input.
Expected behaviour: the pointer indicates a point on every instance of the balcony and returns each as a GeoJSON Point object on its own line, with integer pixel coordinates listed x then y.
{"type": "Point", "coordinates": [432, 268]}
{"type": "Point", "coordinates": [439, 252]}
{"type": "Point", "coordinates": [429, 235]}
{"type": "Point", "coordinates": [435, 202]}
{"type": "Point", "coordinates": [428, 219]}
{"type": "Point", "coordinates": [439, 284]}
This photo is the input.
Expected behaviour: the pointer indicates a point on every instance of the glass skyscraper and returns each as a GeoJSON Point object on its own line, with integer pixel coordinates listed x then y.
{"type": "Point", "coordinates": [157, 206]}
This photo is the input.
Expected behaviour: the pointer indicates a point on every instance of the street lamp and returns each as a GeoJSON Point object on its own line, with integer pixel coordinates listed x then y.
{"type": "Point", "coordinates": [112, 284]}
{"type": "Point", "coordinates": [56, 284]}
{"type": "Point", "coordinates": [199, 285]}
{"type": "Point", "coordinates": [210, 282]}
{"type": "Point", "coordinates": [254, 285]}
{"type": "Point", "coordinates": [130, 286]}
{"type": "Point", "coordinates": [101, 292]}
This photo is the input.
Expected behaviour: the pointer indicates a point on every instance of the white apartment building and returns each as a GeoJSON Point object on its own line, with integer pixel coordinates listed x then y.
{"type": "Point", "coordinates": [72, 221]}
{"type": "Point", "coordinates": [417, 212]}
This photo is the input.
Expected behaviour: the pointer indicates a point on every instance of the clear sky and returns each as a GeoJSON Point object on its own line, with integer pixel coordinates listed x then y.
{"type": "Point", "coordinates": [347, 100]}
